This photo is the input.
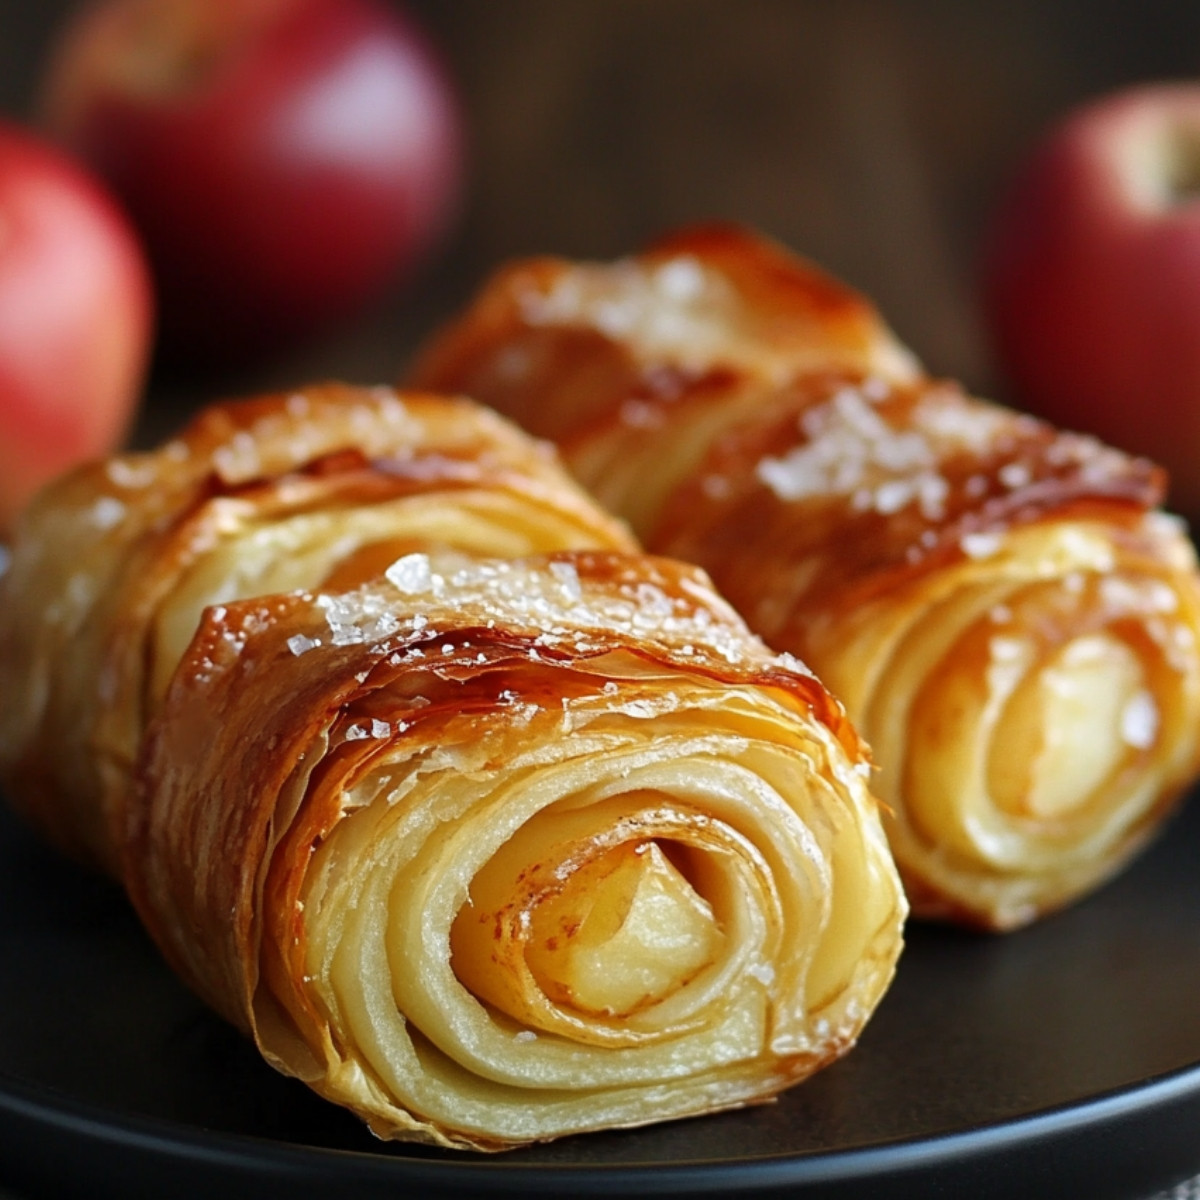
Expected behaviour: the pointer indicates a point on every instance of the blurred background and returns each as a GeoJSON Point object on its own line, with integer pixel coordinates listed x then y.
{"type": "Point", "coordinates": [873, 137]}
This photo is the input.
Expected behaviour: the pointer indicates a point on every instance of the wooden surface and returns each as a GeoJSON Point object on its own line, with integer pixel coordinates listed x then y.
{"type": "Point", "coordinates": [872, 136]}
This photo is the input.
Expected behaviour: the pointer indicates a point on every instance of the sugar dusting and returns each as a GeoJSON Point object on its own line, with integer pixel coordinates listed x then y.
{"type": "Point", "coordinates": [567, 605]}
{"type": "Point", "coordinates": [981, 545]}
{"type": "Point", "coordinates": [132, 471]}
{"type": "Point", "coordinates": [357, 617]}
{"type": "Point", "coordinates": [413, 575]}
{"type": "Point", "coordinates": [884, 458]}
{"type": "Point", "coordinates": [677, 307]}
{"type": "Point", "coordinates": [850, 449]}
{"type": "Point", "coordinates": [568, 576]}
{"type": "Point", "coordinates": [1139, 721]}
{"type": "Point", "coordinates": [106, 513]}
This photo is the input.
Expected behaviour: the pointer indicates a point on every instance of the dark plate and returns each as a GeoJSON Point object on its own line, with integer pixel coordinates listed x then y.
{"type": "Point", "coordinates": [1065, 1058]}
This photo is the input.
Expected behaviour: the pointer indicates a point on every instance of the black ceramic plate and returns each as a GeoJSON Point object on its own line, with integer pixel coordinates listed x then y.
{"type": "Point", "coordinates": [1063, 1060]}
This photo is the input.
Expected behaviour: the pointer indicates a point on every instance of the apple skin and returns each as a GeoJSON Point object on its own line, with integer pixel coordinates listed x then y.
{"type": "Point", "coordinates": [1091, 278]}
{"type": "Point", "coordinates": [76, 318]}
{"type": "Point", "coordinates": [286, 161]}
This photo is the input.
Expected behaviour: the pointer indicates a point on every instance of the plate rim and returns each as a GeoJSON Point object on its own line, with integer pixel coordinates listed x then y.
{"type": "Point", "coordinates": [31, 1106]}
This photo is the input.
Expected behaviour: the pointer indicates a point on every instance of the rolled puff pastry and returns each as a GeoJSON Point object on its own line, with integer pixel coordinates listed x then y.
{"type": "Point", "coordinates": [322, 487]}
{"type": "Point", "coordinates": [1011, 623]}
{"type": "Point", "coordinates": [632, 367]}
{"type": "Point", "coordinates": [496, 851]}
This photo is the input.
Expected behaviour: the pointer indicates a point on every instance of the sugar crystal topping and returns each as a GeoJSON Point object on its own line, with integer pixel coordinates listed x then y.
{"type": "Point", "coordinates": [554, 602]}
{"type": "Point", "coordinates": [412, 574]}
{"type": "Point", "coordinates": [677, 307]}
{"type": "Point", "coordinates": [554, 606]}
{"type": "Point", "coordinates": [357, 617]}
{"type": "Point", "coordinates": [981, 545]}
{"type": "Point", "coordinates": [1139, 721]}
{"type": "Point", "coordinates": [239, 457]}
{"type": "Point", "coordinates": [107, 512]}
{"type": "Point", "coordinates": [132, 471]}
{"type": "Point", "coordinates": [850, 449]}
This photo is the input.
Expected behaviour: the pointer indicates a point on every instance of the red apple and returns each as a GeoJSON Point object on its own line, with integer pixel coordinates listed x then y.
{"type": "Point", "coordinates": [75, 318]}
{"type": "Point", "coordinates": [1092, 278]}
{"type": "Point", "coordinates": [285, 160]}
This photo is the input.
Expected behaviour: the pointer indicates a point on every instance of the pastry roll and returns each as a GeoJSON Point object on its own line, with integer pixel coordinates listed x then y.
{"type": "Point", "coordinates": [1009, 619]}
{"type": "Point", "coordinates": [323, 487]}
{"type": "Point", "coordinates": [486, 849]}
{"type": "Point", "coordinates": [492, 851]}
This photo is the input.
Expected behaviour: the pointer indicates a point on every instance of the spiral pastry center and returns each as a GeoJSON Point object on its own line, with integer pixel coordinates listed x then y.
{"type": "Point", "coordinates": [625, 932]}
{"type": "Point", "coordinates": [602, 930]}
{"type": "Point", "coordinates": [1069, 727]}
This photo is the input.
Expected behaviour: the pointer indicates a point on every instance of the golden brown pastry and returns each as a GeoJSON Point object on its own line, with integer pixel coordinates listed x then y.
{"type": "Point", "coordinates": [321, 487]}
{"type": "Point", "coordinates": [515, 848]}
{"type": "Point", "coordinates": [633, 367]}
{"type": "Point", "coordinates": [488, 850]}
{"type": "Point", "coordinates": [1011, 623]}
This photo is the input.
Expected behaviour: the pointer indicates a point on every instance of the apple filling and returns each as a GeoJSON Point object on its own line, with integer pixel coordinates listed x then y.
{"type": "Point", "coordinates": [1068, 728]}
{"type": "Point", "coordinates": [602, 934]}
{"type": "Point", "coordinates": [626, 931]}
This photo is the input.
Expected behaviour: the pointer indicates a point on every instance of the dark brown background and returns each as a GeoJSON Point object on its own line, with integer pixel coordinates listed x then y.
{"type": "Point", "coordinates": [874, 137]}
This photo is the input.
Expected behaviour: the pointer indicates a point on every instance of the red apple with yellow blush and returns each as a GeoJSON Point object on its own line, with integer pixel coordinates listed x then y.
{"type": "Point", "coordinates": [286, 161]}
{"type": "Point", "coordinates": [1092, 278]}
{"type": "Point", "coordinates": [76, 317]}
